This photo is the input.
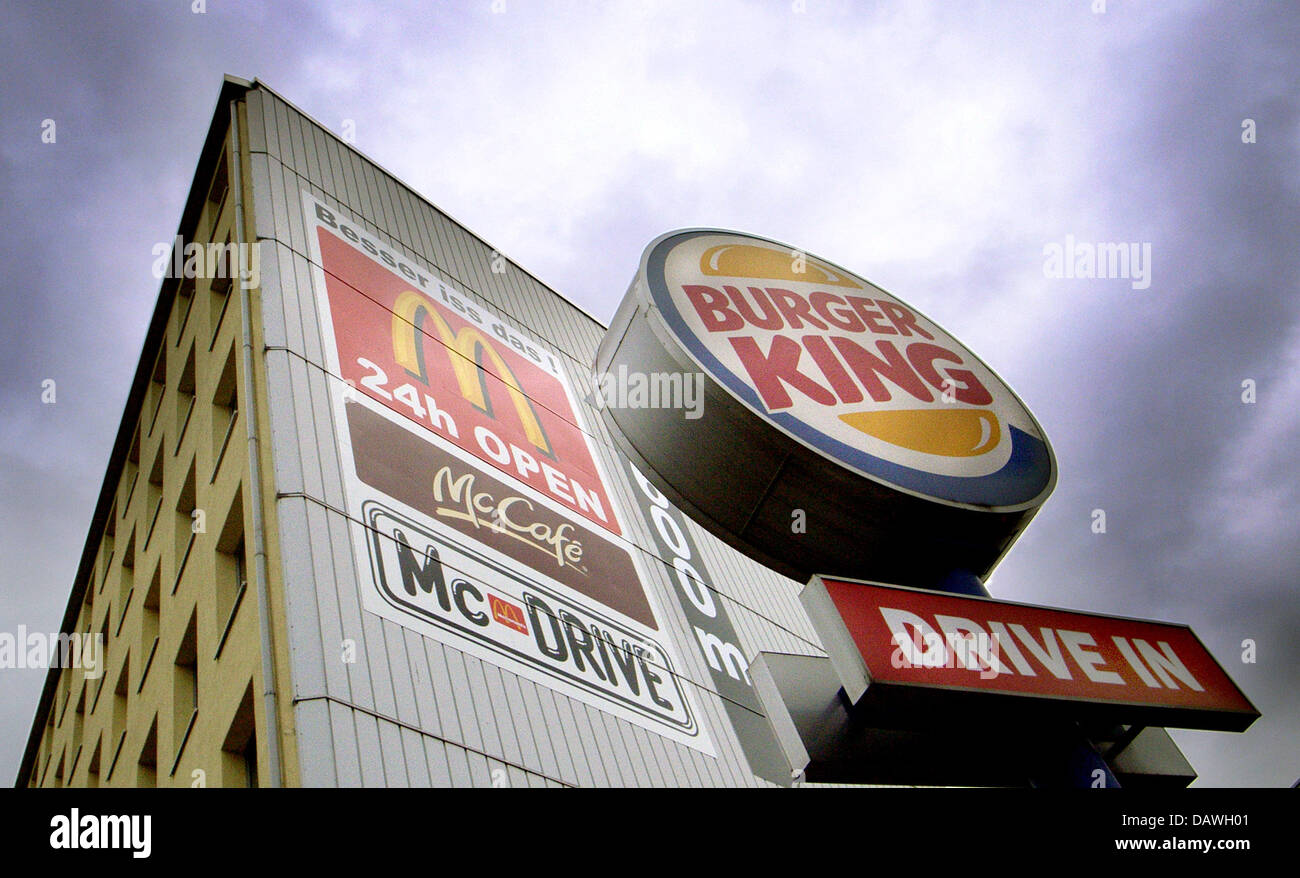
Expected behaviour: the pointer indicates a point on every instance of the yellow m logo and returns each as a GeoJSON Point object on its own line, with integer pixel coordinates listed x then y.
{"type": "Point", "coordinates": [466, 351]}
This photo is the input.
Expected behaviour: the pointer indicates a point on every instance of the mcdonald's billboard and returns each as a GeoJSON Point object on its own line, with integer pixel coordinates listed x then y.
{"type": "Point", "coordinates": [480, 513]}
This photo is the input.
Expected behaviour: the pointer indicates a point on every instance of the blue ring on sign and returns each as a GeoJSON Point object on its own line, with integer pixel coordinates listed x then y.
{"type": "Point", "coordinates": [1022, 478]}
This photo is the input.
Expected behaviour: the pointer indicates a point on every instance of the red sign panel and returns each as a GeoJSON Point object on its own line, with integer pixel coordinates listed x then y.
{"type": "Point", "coordinates": [439, 360]}
{"type": "Point", "coordinates": [913, 638]}
{"type": "Point", "coordinates": [508, 614]}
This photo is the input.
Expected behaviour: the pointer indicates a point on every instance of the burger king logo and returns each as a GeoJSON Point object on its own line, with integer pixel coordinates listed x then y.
{"type": "Point", "coordinates": [847, 369]}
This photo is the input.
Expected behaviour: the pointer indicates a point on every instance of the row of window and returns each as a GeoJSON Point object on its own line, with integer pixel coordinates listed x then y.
{"type": "Point", "coordinates": [222, 566]}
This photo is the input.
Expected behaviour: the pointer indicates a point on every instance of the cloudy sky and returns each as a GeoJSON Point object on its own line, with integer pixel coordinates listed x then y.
{"type": "Point", "coordinates": [935, 148]}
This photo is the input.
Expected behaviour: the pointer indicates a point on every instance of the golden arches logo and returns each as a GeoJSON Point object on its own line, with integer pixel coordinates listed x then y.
{"type": "Point", "coordinates": [466, 350]}
{"type": "Point", "coordinates": [749, 260]}
{"type": "Point", "coordinates": [508, 614]}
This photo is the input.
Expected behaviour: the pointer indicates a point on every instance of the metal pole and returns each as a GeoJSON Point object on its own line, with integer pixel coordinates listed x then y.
{"type": "Point", "coordinates": [258, 524]}
{"type": "Point", "coordinates": [1065, 757]}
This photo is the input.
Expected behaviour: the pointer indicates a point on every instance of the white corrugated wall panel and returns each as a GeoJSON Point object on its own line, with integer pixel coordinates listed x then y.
{"type": "Point", "coordinates": [409, 709]}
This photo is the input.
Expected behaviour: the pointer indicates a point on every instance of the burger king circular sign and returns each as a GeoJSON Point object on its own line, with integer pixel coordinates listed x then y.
{"type": "Point", "coordinates": [837, 422]}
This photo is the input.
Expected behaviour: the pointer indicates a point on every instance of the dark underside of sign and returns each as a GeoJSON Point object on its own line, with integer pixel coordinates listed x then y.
{"type": "Point", "coordinates": [901, 739]}
{"type": "Point", "coordinates": [926, 706]}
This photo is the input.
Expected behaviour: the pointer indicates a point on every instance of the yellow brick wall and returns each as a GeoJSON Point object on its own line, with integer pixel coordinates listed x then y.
{"type": "Point", "coordinates": [167, 577]}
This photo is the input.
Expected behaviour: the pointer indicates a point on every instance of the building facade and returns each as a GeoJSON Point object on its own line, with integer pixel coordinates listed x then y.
{"type": "Point", "coordinates": [163, 577]}
{"type": "Point", "coordinates": [253, 631]}
{"type": "Point", "coordinates": [363, 525]}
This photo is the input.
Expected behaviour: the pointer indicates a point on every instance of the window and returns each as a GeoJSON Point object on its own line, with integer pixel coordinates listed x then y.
{"type": "Point", "coordinates": [250, 761]}
{"type": "Point", "coordinates": [239, 750]}
{"type": "Point", "coordinates": [121, 696]}
{"type": "Point", "coordinates": [126, 581]}
{"type": "Point", "coordinates": [92, 768]}
{"type": "Point", "coordinates": [224, 266]}
{"type": "Point", "coordinates": [232, 571]}
{"type": "Point", "coordinates": [149, 624]}
{"type": "Point", "coordinates": [102, 658]}
{"type": "Point", "coordinates": [106, 548]}
{"type": "Point", "coordinates": [185, 398]}
{"type": "Point", "coordinates": [183, 306]}
{"type": "Point", "coordinates": [217, 192]}
{"type": "Point", "coordinates": [219, 284]}
{"type": "Point", "coordinates": [240, 578]}
{"type": "Point", "coordinates": [78, 727]}
{"type": "Point", "coordinates": [157, 387]}
{"type": "Point", "coordinates": [130, 472]}
{"type": "Point", "coordinates": [155, 492]}
{"type": "Point", "coordinates": [185, 688]}
{"type": "Point", "coordinates": [43, 755]}
{"type": "Point", "coordinates": [185, 522]}
{"type": "Point", "coordinates": [65, 683]}
{"type": "Point", "coordinates": [225, 410]}
{"type": "Point", "coordinates": [147, 763]}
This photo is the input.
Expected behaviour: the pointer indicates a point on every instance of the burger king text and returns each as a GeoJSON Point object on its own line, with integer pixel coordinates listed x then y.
{"type": "Point", "coordinates": [827, 321]}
